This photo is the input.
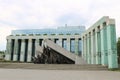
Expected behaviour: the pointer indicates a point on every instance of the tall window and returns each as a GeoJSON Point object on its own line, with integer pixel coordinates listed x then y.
{"type": "Point", "coordinates": [64, 43]}
{"type": "Point", "coordinates": [79, 47]}
{"type": "Point", "coordinates": [72, 47]}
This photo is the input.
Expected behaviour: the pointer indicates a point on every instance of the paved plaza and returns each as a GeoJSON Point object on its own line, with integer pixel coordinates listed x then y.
{"type": "Point", "coordinates": [27, 74]}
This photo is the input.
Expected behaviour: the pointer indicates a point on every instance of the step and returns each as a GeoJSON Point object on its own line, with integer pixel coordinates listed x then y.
{"type": "Point", "coordinates": [52, 66]}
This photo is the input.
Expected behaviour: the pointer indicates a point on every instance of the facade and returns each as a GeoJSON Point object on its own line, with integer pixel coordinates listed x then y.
{"type": "Point", "coordinates": [97, 45]}
{"type": "Point", "coordinates": [22, 44]}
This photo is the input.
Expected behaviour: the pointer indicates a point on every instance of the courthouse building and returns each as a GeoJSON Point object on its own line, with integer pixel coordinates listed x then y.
{"type": "Point", "coordinates": [96, 45]}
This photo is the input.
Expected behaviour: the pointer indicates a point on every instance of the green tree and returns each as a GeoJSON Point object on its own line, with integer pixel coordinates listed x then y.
{"type": "Point", "coordinates": [118, 49]}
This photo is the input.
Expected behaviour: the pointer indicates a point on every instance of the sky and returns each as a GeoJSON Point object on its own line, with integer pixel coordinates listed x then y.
{"type": "Point", "coordinates": [38, 14]}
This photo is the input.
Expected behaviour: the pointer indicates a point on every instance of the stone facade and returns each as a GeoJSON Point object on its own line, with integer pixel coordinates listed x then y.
{"type": "Point", "coordinates": [23, 47]}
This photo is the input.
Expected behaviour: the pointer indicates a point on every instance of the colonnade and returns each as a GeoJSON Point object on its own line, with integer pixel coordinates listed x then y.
{"type": "Point", "coordinates": [25, 48]}
{"type": "Point", "coordinates": [99, 43]}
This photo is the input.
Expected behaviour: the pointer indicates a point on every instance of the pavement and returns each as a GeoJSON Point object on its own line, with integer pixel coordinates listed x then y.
{"type": "Point", "coordinates": [30, 74]}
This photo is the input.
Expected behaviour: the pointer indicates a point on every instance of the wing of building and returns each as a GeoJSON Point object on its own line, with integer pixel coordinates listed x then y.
{"type": "Point", "coordinates": [22, 44]}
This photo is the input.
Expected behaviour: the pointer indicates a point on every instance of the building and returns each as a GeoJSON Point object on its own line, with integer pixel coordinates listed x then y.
{"type": "Point", "coordinates": [26, 41]}
{"type": "Point", "coordinates": [96, 45]}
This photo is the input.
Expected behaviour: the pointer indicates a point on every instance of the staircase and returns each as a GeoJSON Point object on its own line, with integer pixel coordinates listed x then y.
{"type": "Point", "coordinates": [52, 66]}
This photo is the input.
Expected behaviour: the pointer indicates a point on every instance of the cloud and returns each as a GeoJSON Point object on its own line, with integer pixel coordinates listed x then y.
{"type": "Point", "coordinates": [5, 30]}
{"type": "Point", "coordinates": [45, 12]}
{"type": "Point", "coordinates": [31, 14]}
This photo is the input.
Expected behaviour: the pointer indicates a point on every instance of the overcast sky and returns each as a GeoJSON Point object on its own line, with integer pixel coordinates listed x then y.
{"type": "Point", "coordinates": [37, 14]}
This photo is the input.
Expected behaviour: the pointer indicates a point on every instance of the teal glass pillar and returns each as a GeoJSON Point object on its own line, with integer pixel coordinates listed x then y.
{"type": "Point", "coordinates": [99, 46]}
{"type": "Point", "coordinates": [104, 55]}
{"type": "Point", "coordinates": [86, 47]}
{"type": "Point", "coordinates": [112, 49]}
{"type": "Point", "coordinates": [94, 47]}
{"type": "Point", "coordinates": [88, 60]}
{"type": "Point", "coordinates": [97, 38]}
{"type": "Point", "coordinates": [89, 48]}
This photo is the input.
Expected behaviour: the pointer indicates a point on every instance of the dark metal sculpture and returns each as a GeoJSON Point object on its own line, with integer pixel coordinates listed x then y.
{"type": "Point", "coordinates": [50, 56]}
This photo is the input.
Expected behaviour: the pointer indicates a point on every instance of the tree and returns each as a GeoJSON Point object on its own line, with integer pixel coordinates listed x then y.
{"type": "Point", "coordinates": [118, 49]}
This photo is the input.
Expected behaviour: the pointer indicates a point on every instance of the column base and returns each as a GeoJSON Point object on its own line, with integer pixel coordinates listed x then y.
{"type": "Point", "coordinates": [29, 58]}
{"type": "Point", "coordinates": [15, 57]}
{"type": "Point", "coordinates": [22, 58]}
{"type": "Point", "coordinates": [7, 57]}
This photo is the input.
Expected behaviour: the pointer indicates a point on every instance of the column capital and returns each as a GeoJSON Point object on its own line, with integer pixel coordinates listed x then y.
{"type": "Point", "coordinates": [85, 36]}
{"type": "Point", "coordinates": [22, 39]}
{"type": "Point", "coordinates": [60, 41]}
{"type": "Point", "coordinates": [37, 40]}
{"type": "Point", "coordinates": [82, 38]}
{"type": "Point", "coordinates": [97, 30]}
{"type": "Point", "coordinates": [9, 40]}
{"type": "Point", "coordinates": [101, 26]}
{"type": "Point", "coordinates": [76, 38]}
{"type": "Point", "coordinates": [88, 35]}
{"type": "Point", "coordinates": [68, 38]}
{"type": "Point", "coordinates": [16, 40]}
{"type": "Point", "coordinates": [92, 33]}
{"type": "Point", "coordinates": [111, 21]}
{"type": "Point", "coordinates": [29, 40]}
